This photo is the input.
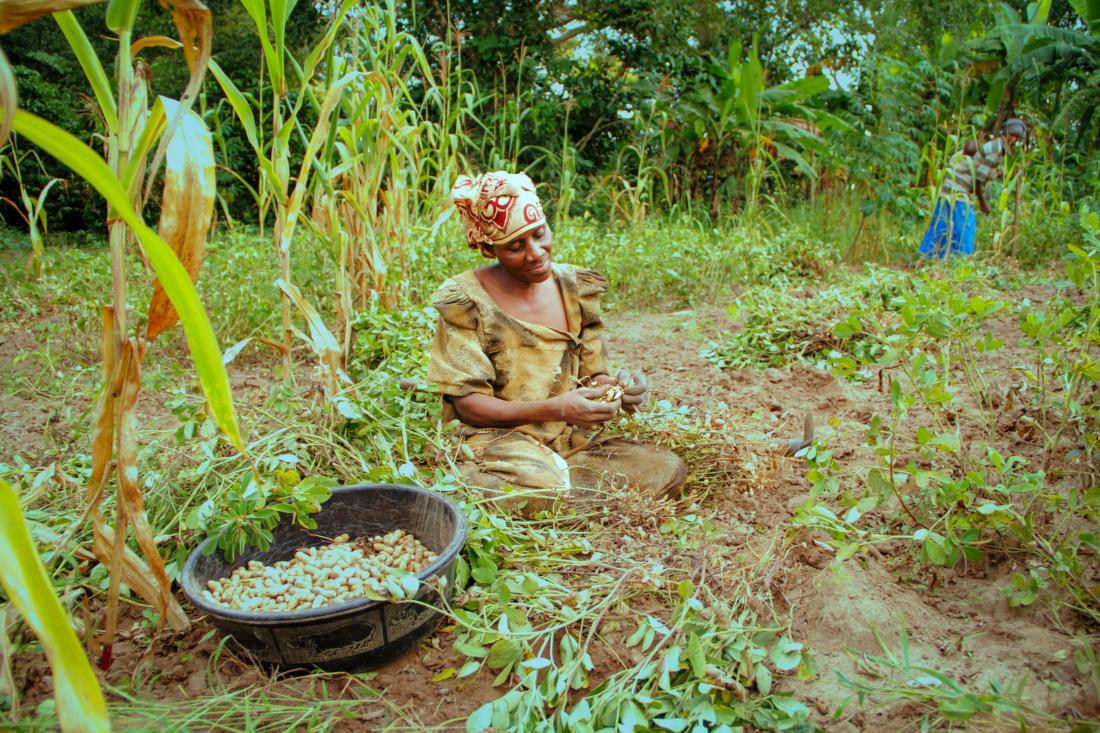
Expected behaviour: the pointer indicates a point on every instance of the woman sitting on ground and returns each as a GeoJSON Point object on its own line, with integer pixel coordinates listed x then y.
{"type": "Point", "coordinates": [520, 359]}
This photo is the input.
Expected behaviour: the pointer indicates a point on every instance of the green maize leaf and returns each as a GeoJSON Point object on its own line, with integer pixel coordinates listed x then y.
{"type": "Point", "coordinates": [280, 14]}
{"type": "Point", "coordinates": [154, 127]}
{"type": "Point", "coordinates": [315, 54]}
{"type": "Point", "coordinates": [239, 103]}
{"type": "Point", "coordinates": [243, 109]}
{"type": "Point", "coordinates": [173, 277]}
{"type": "Point", "coordinates": [121, 15]}
{"type": "Point", "coordinates": [93, 69]}
{"type": "Point", "coordinates": [258, 10]}
{"type": "Point", "coordinates": [297, 197]}
{"type": "Point", "coordinates": [80, 703]}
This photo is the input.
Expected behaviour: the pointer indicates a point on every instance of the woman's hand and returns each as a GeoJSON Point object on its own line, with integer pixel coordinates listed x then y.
{"type": "Point", "coordinates": [582, 408]}
{"type": "Point", "coordinates": [635, 389]}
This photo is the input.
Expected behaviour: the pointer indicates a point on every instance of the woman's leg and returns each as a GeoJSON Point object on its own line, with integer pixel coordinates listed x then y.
{"type": "Point", "coordinates": [537, 476]}
{"type": "Point", "coordinates": [936, 241]}
{"type": "Point", "coordinates": [967, 227]}
{"type": "Point", "coordinates": [616, 463]}
{"type": "Point", "coordinates": [523, 475]}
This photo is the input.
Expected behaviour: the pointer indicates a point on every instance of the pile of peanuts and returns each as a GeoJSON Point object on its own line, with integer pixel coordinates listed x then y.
{"type": "Point", "coordinates": [321, 576]}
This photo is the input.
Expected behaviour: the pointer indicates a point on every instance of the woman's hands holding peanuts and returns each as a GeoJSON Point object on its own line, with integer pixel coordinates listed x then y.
{"type": "Point", "coordinates": [635, 389]}
{"type": "Point", "coordinates": [587, 407]}
{"type": "Point", "coordinates": [630, 389]}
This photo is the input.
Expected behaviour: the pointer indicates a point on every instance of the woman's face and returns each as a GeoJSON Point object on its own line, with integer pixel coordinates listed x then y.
{"type": "Point", "coordinates": [527, 257]}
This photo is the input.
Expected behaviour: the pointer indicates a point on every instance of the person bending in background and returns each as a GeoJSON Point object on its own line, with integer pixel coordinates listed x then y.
{"type": "Point", "coordinates": [519, 358]}
{"type": "Point", "coordinates": [954, 223]}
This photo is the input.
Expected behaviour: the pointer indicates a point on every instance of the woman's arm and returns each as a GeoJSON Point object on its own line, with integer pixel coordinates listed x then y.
{"type": "Point", "coordinates": [578, 407]}
{"type": "Point", "coordinates": [979, 189]}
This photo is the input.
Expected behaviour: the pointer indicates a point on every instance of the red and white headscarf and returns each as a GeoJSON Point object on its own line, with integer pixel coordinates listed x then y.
{"type": "Point", "coordinates": [497, 207]}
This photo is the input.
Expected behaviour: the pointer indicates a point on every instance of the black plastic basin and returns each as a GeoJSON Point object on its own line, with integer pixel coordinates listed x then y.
{"type": "Point", "coordinates": [359, 633]}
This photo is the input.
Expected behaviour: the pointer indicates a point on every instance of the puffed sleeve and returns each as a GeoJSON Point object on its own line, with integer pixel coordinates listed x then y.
{"type": "Point", "coordinates": [459, 365]}
{"type": "Point", "coordinates": [593, 357]}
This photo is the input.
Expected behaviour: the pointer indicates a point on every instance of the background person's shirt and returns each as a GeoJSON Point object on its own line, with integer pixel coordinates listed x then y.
{"type": "Point", "coordinates": [963, 171]}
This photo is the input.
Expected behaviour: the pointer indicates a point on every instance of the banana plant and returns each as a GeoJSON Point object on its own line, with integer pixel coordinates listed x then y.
{"type": "Point", "coordinates": [1007, 53]}
{"type": "Point", "coordinates": [168, 131]}
{"type": "Point", "coordinates": [733, 121]}
{"type": "Point", "coordinates": [1077, 54]}
{"type": "Point", "coordinates": [1021, 57]}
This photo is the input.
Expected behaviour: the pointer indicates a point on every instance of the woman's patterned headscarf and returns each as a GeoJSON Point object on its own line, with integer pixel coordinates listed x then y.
{"type": "Point", "coordinates": [497, 207]}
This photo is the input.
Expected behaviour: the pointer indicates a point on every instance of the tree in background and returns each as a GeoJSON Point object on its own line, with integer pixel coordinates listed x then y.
{"type": "Point", "coordinates": [588, 96]}
{"type": "Point", "coordinates": [52, 86]}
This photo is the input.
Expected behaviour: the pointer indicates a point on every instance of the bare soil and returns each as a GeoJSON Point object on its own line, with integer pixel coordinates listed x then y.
{"type": "Point", "coordinates": [957, 622]}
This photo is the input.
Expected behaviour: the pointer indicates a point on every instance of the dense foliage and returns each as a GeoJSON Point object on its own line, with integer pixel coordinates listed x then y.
{"type": "Point", "coordinates": [633, 107]}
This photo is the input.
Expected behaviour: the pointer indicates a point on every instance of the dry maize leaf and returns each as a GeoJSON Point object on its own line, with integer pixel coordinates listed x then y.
{"type": "Point", "coordinates": [14, 13]}
{"type": "Point", "coordinates": [49, 537]}
{"type": "Point", "coordinates": [130, 501]}
{"type": "Point", "coordinates": [187, 207]}
{"type": "Point", "coordinates": [115, 561]}
{"type": "Point", "coordinates": [321, 339]}
{"type": "Point", "coordinates": [103, 434]}
{"type": "Point", "coordinates": [8, 98]}
{"type": "Point", "coordinates": [135, 573]}
{"type": "Point", "coordinates": [150, 41]}
{"type": "Point", "coordinates": [196, 32]}
{"type": "Point", "coordinates": [137, 115]}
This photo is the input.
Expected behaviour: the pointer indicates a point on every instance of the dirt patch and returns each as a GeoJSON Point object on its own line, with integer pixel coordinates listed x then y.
{"type": "Point", "coordinates": [196, 664]}
{"type": "Point", "coordinates": [962, 627]}
{"type": "Point", "coordinates": [972, 637]}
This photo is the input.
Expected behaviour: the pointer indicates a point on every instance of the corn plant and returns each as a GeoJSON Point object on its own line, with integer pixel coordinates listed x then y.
{"type": "Point", "coordinates": [633, 195]}
{"type": "Point", "coordinates": [453, 100]}
{"type": "Point", "coordinates": [80, 703]}
{"type": "Point", "coordinates": [370, 196]}
{"type": "Point", "coordinates": [31, 210]}
{"type": "Point", "coordinates": [133, 130]}
{"type": "Point", "coordinates": [274, 154]}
